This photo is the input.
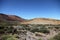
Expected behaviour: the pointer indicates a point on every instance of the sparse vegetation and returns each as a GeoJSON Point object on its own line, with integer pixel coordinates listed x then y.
{"type": "Point", "coordinates": [8, 37]}
{"type": "Point", "coordinates": [57, 37]}
{"type": "Point", "coordinates": [40, 39]}
{"type": "Point", "coordinates": [42, 29]}
{"type": "Point", "coordinates": [7, 28]}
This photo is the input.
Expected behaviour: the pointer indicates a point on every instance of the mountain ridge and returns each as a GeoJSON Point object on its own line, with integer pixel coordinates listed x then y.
{"type": "Point", "coordinates": [31, 21]}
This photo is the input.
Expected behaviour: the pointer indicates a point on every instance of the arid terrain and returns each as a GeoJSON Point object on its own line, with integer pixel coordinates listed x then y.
{"type": "Point", "coordinates": [13, 27]}
{"type": "Point", "coordinates": [42, 21]}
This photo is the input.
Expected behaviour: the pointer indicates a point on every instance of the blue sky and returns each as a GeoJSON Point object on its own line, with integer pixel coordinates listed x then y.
{"type": "Point", "coordinates": [31, 8]}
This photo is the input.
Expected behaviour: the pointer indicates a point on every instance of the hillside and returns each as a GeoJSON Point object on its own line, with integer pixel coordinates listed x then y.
{"type": "Point", "coordinates": [12, 18]}
{"type": "Point", "coordinates": [42, 21]}
{"type": "Point", "coordinates": [4, 17]}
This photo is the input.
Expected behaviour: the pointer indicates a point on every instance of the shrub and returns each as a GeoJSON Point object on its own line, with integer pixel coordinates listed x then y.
{"type": "Point", "coordinates": [40, 29]}
{"type": "Point", "coordinates": [9, 37]}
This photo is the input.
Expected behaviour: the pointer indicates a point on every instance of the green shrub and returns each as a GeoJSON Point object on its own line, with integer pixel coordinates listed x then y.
{"type": "Point", "coordinates": [9, 37]}
{"type": "Point", "coordinates": [40, 29]}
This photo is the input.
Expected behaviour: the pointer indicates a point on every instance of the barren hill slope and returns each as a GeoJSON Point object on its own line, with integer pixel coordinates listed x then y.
{"type": "Point", "coordinates": [42, 21]}
{"type": "Point", "coordinates": [4, 17]}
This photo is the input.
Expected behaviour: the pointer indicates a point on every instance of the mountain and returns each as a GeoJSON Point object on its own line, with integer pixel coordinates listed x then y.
{"type": "Point", "coordinates": [4, 17]}
{"type": "Point", "coordinates": [42, 21]}
{"type": "Point", "coordinates": [14, 18]}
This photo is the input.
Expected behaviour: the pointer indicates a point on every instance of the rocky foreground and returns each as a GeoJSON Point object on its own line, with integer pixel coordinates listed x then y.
{"type": "Point", "coordinates": [28, 35]}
